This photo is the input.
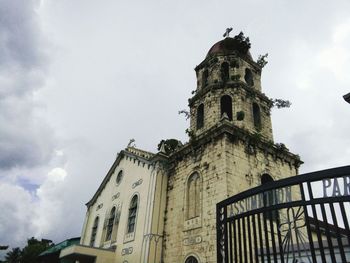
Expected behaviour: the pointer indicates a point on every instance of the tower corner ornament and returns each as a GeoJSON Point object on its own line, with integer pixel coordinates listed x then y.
{"type": "Point", "coordinates": [227, 32]}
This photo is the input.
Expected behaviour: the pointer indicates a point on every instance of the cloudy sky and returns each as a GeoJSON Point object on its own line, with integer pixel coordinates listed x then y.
{"type": "Point", "coordinates": [78, 79]}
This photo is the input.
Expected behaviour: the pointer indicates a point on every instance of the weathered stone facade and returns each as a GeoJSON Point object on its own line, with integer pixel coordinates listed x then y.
{"type": "Point", "coordinates": [230, 148]}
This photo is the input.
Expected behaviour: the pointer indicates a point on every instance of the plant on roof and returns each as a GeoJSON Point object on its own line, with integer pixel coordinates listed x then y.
{"type": "Point", "coordinates": [186, 113]}
{"type": "Point", "coordinates": [280, 103]}
{"type": "Point", "coordinates": [244, 42]}
{"type": "Point", "coordinates": [262, 60]}
{"type": "Point", "coordinates": [170, 145]}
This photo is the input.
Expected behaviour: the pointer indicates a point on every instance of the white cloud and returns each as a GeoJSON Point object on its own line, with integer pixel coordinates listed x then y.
{"type": "Point", "coordinates": [25, 213]}
{"type": "Point", "coordinates": [50, 202]}
{"type": "Point", "coordinates": [336, 56]}
{"type": "Point", "coordinates": [17, 208]}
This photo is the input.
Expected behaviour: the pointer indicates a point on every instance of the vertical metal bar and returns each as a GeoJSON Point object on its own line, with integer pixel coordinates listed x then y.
{"type": "Point", "coordinates": [345, 220]}
{"type": "Point", "coordinates": [328, 233]}
{"type": "Point", "coordinates": [218, 234]}
{"type": "Point", "coordinates": [340, 243]}
{"type": "Point", "coordinates": [239, 240]}
{"type": "Point", "coordinates": [279, 238]}
{"type": "Point", "coordinates": [230, 239]}
{"type": "Point", "coordinates": [273, 236]}
{"type": "Point", "coordinates": [235, 239]}
{"type": "Point", "coordinates": [260, 238]}
{"type": "Point", "coordinates": [291, 244]}
{"type": "Point", "coordinates": [225, 233]}
{"type": "Point", "coordinates": [317, 225]}
{"type": "Point", "coordinates": [256, 251]}
{"type": "Point", "coordinates": [244, 240]}
{"type": "Point", "coordinates": [296, 230]}
{"type": "Point", "coordinates": [266, 237]}
{"type": "Point", "coordinates": [307, 221]}
{"type": "Point", "coordinates": [250, 241]}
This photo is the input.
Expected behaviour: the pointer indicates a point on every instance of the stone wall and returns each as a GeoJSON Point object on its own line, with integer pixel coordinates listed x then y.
{"type": "Point", "coordinates": [226, 169]}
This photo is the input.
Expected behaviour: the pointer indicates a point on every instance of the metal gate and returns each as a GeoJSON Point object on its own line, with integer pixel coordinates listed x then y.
{"type": "Point", "coordinates": [304, 218]}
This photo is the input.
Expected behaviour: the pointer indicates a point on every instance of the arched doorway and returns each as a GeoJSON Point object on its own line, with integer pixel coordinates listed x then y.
{"type": "Point", "coordinates": [191, 259]}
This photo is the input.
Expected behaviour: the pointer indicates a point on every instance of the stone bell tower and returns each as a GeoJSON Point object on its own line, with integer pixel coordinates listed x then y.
{"type": "Point", "coordinates": [229, 87]}
{"type": "Point", "coordinates": [230, 150]}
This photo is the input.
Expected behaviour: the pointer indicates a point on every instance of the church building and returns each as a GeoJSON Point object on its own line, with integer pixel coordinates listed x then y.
{"type": "Point", "coordinates": [161, 207]}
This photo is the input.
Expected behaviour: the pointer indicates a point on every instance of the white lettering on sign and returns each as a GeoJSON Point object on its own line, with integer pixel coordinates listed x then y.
{"type": "Point", "coordinates": [336, 187]}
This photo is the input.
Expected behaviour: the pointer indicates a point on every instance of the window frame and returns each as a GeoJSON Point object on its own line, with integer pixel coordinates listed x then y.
{"type": "Point", "coordinates": [119, 177]}
{"type": "Point", "coordinates": [110, 223]}
{"type": "Point", "coordinates": [225, 72]}
{"type": "Point", "coordinates": [224, 106]}
{"type": "Point", "coordinates": [256, 116]}
{"type": "Point", "coordinates": [132, 216]}
{"type": "Point", "coordinates": [249, 77]}
{"type": "Point", "coordinates": [94, 230]}
{"type": "Point", "coordinates": [200, 116]}
{"type": "Point", "coordinates": [197, 196]}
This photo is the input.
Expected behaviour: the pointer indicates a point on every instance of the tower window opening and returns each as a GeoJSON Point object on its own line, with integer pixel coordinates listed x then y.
{"type": "Point", "coordinates": [226, 106]}
{"type": "Point", "coordinates": [256, 116]}
{"type": "Point", "coordinates": [248, 77]}
{"type": "Point", "coordinates": [205, 75]}
{"type": "Point", "coordinates": [225, 72]}
{"type": "Point", "coordinates": [94, 232]}
{"type": "Point", "coordinates": [269, 198]}
{"type": "Point", "coordinates": [200, 116]}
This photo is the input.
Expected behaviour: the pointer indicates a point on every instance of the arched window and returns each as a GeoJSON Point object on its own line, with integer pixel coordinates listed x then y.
{"type": "Point", "coordinates": [193, 196]}
{"type": "Point", "coordinates": [269, 197]}
{"type": "Point", "coordinates": [191, 259]}
{"type": "Point", "coordinates": [266, 178]}
{"type": "Point", "coordinates": [110, 224]}
{"type": "Point", "coordinates": [205, 75]}
{"type": "Point", "coordinates": [248, 77]}
{"type": "Point", "coordinates": [256, 116]}
{"type": "Point", "coordinates": [225, 72]}
{"type": "Point", "coordinates": [132, 214]}
{"type": "Point", "coordinates": [94, 231]}
{"type": "Point", "coordinates": [119, 177]}
{"type": "Point", "coordinates": [200, 116]}
{"type": "Point", "coordinates": [226, 106]}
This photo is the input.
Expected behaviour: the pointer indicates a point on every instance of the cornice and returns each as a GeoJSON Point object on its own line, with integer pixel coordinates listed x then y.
{"type": "Point", "coordinates": [235, 133]}
{"type": "Point", "coordinates": [213, 59]}
{"type": "Point", "coordinates": [230, 84]}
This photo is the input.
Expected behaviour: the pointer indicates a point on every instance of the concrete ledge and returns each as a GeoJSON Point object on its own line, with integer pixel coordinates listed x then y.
{"type": "Point", "coordinates": [85, 254]}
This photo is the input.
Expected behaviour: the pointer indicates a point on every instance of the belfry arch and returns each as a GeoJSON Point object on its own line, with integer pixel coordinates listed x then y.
{"type": "Point", "coordinates": [226, 106]}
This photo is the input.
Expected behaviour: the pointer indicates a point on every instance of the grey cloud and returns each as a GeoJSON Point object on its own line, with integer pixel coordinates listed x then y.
{"type": "Point", "coordinates": [19, 34]}
{"type": "Point", "coordinates": [26, 140]}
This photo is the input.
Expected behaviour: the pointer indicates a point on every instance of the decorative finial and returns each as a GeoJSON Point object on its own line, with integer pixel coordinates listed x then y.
{"type": "Point", "coordinates": [162, 147]}
{"type": "Point", "coordinates": [227, 32]}
{"type": "Point", "coordinates": [131, 143]}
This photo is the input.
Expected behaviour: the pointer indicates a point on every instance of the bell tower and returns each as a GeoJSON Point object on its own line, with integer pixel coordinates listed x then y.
{"type": "Point", "coordinates": [229, 90]}
{"type": "Point", "coordinates": [230, 150]}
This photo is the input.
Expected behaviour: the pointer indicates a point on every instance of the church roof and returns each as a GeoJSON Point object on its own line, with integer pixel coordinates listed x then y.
{"type": "Point", "coordinates": [129, 151]}
{"type": "Point", "coordinates": [228, 46]}
{"type": "Point", "coordinates": [58, 247]}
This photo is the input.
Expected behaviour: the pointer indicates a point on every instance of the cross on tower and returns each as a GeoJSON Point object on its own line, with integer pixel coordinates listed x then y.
{"type": "Point", "coordinates": [227, 32]}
